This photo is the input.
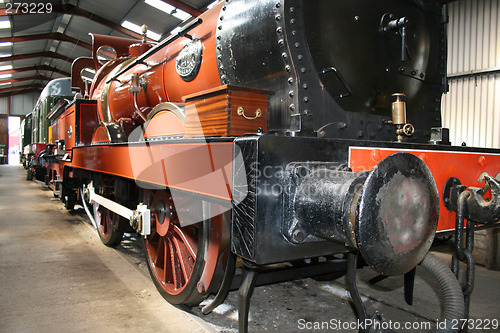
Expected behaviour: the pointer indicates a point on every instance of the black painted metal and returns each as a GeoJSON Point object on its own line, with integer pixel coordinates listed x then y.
{"type": "Point", "coordinates": [258, 196]}
{"type": "Point", "coordinates": [353, 288]}
{"type": "Point", "coordinates": [397, 214]}
{"type": "Point", "coordinates": [470, 204]}
{"type": "Point", "coordinates": [462, 253]}
{"type": "Point", "coordinates": [291, 45]}
{"type": "Point", "coordinates": [271, 275]}
{"type": "Point", "coordinates": [451, 191]}
{"type": "Point", "coordinates": [318, 200]}
{"type": "Point", "coordinates": [483, 210]}
{"type": "Point", "coordinates": [440, 136]}
{"type": "Point", "coordinates": [244, 296]}
{"type": "Point", "coordinates": [409, 286]}
{"type": "Point", "coordinates": [253, 276]}
{"type": "Point", "coordinates": [225, 285]}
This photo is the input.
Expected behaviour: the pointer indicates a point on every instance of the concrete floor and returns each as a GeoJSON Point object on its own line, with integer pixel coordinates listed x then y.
{"type": "Point", "coordinates": [56, 276]}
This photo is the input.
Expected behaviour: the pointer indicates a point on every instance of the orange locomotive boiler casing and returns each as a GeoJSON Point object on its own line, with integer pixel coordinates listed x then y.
{"type": "Point", "coordinates": [159, 77]}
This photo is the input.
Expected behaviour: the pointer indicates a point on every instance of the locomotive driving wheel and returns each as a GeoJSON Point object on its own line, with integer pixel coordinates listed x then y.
{"type": "Point", "coordinates": [109, 226]}
{"type": "Point", "coordinates": [175, 254]}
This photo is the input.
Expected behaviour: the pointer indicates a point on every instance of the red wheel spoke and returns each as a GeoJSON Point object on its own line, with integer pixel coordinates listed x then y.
{"type": "Point", "coordinates": [156, 255]}
{"type": "Point", "coordinates": [105, 223]}
{"type": "Point", "coordinates": [171, 251]}
{"type": "Point", "coordinates": [165, 259]}
{"type": "Point", "coordinates": [175, 276]}
{"type": "Point", "coordinates": [183, 261]}
{"type": "Point", "coordinates": [187, 240]}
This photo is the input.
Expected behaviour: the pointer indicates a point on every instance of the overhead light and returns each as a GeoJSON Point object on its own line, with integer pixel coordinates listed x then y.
{"type": "Point", "coordinates": [175, 30]}
{"type": "Point", "coordinates": [5, 44]}
{"type": "Point", "coordinates": [5, 55]}
{"type": "Point", "coordinates": [5, 83]}
{"type": "Point", "coordinates": [5, 67]}
{"type": "Point", "coordinates": [138, 29]}
{"type": "Point", "coordinates": [4, 76]}
{"type": "Point", "coordinates": [180, 14]}
{"type": "Point", "coordinates": [212, 5]}
{"type": "Point", "coordinates": [5, 24]}
{"type": "Point", "coordinates": [163, 6]}
{"type": "Point", "coordinates": [169, 9]}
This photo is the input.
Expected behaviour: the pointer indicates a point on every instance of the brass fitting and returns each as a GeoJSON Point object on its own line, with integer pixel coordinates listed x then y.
{"type": "Point", "coordinates": [399, 118]}
{"type": "Point", "coordinates": [398, 110]}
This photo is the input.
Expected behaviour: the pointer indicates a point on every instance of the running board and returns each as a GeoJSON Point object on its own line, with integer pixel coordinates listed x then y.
{"type": "Point", "coordinates": [140, 219]}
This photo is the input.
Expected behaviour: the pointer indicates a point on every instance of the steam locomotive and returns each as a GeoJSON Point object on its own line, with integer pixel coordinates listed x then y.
{"type": "Point", "coordinates": [270, 132]}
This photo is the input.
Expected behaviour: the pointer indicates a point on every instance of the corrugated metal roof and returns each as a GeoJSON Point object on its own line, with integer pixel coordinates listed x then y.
{"type": "Point", "coordinates": [38, 38]}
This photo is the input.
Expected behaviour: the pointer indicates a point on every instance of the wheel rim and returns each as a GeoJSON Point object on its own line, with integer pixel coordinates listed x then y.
{"type": "Point", "coordinates": [171, 249]}
{"type": "Point", "coordinates": [104, 221]}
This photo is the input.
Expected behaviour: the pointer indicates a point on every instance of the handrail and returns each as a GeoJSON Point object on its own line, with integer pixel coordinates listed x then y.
{"type": "Point", "coordinates": [140, 59]}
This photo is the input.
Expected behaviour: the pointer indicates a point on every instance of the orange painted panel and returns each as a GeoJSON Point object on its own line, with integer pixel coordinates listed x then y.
{"type": "Point", "coordinates": [465, 166]}
{"type": "Point", "coordinates": [100, 135]}
{"type": "Point", "coordinates": [70, 128]}
{"type": "Point", "coordinates": [204, 168]}
{"type": "Point", "coordinates": [164, 123]}
{"type": "Point", "coordinates": [87, 123]}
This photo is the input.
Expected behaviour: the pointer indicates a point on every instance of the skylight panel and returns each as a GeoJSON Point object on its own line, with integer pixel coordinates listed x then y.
{"type": "Point", "coordinates": [135, 28]}
{"type": "Point", "coordinates": [169, 9]}
{"type": "Point", "coordinates": [163, 6]}
{"type": "Point", "coordinates": [5, 24]}
{"type": "Point", "coordinates": [180, 14]}
{"type": "Point", "coordinates": [175, 30]}
{"type": "Point", "coordinates": [212, 5]}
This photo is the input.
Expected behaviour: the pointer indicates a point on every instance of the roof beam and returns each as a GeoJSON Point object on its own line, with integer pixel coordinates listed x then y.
{"type": "Point", "coordinates": [19, 92]}
{"type": "Point", "coordinates": [27, 78]}
{"type": "Point", "coordinates": [75, 10]}
{"type": "Point", "coordinates": [47, 54]}
{"type": "Point", "coordinates": [35, 68]}
{"type": "Point", "coordinates": [21, 89]}
{"type": "Point", "coordinates": [51, 35]}
{"type": "Point", "coordinates": [184, 6]}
